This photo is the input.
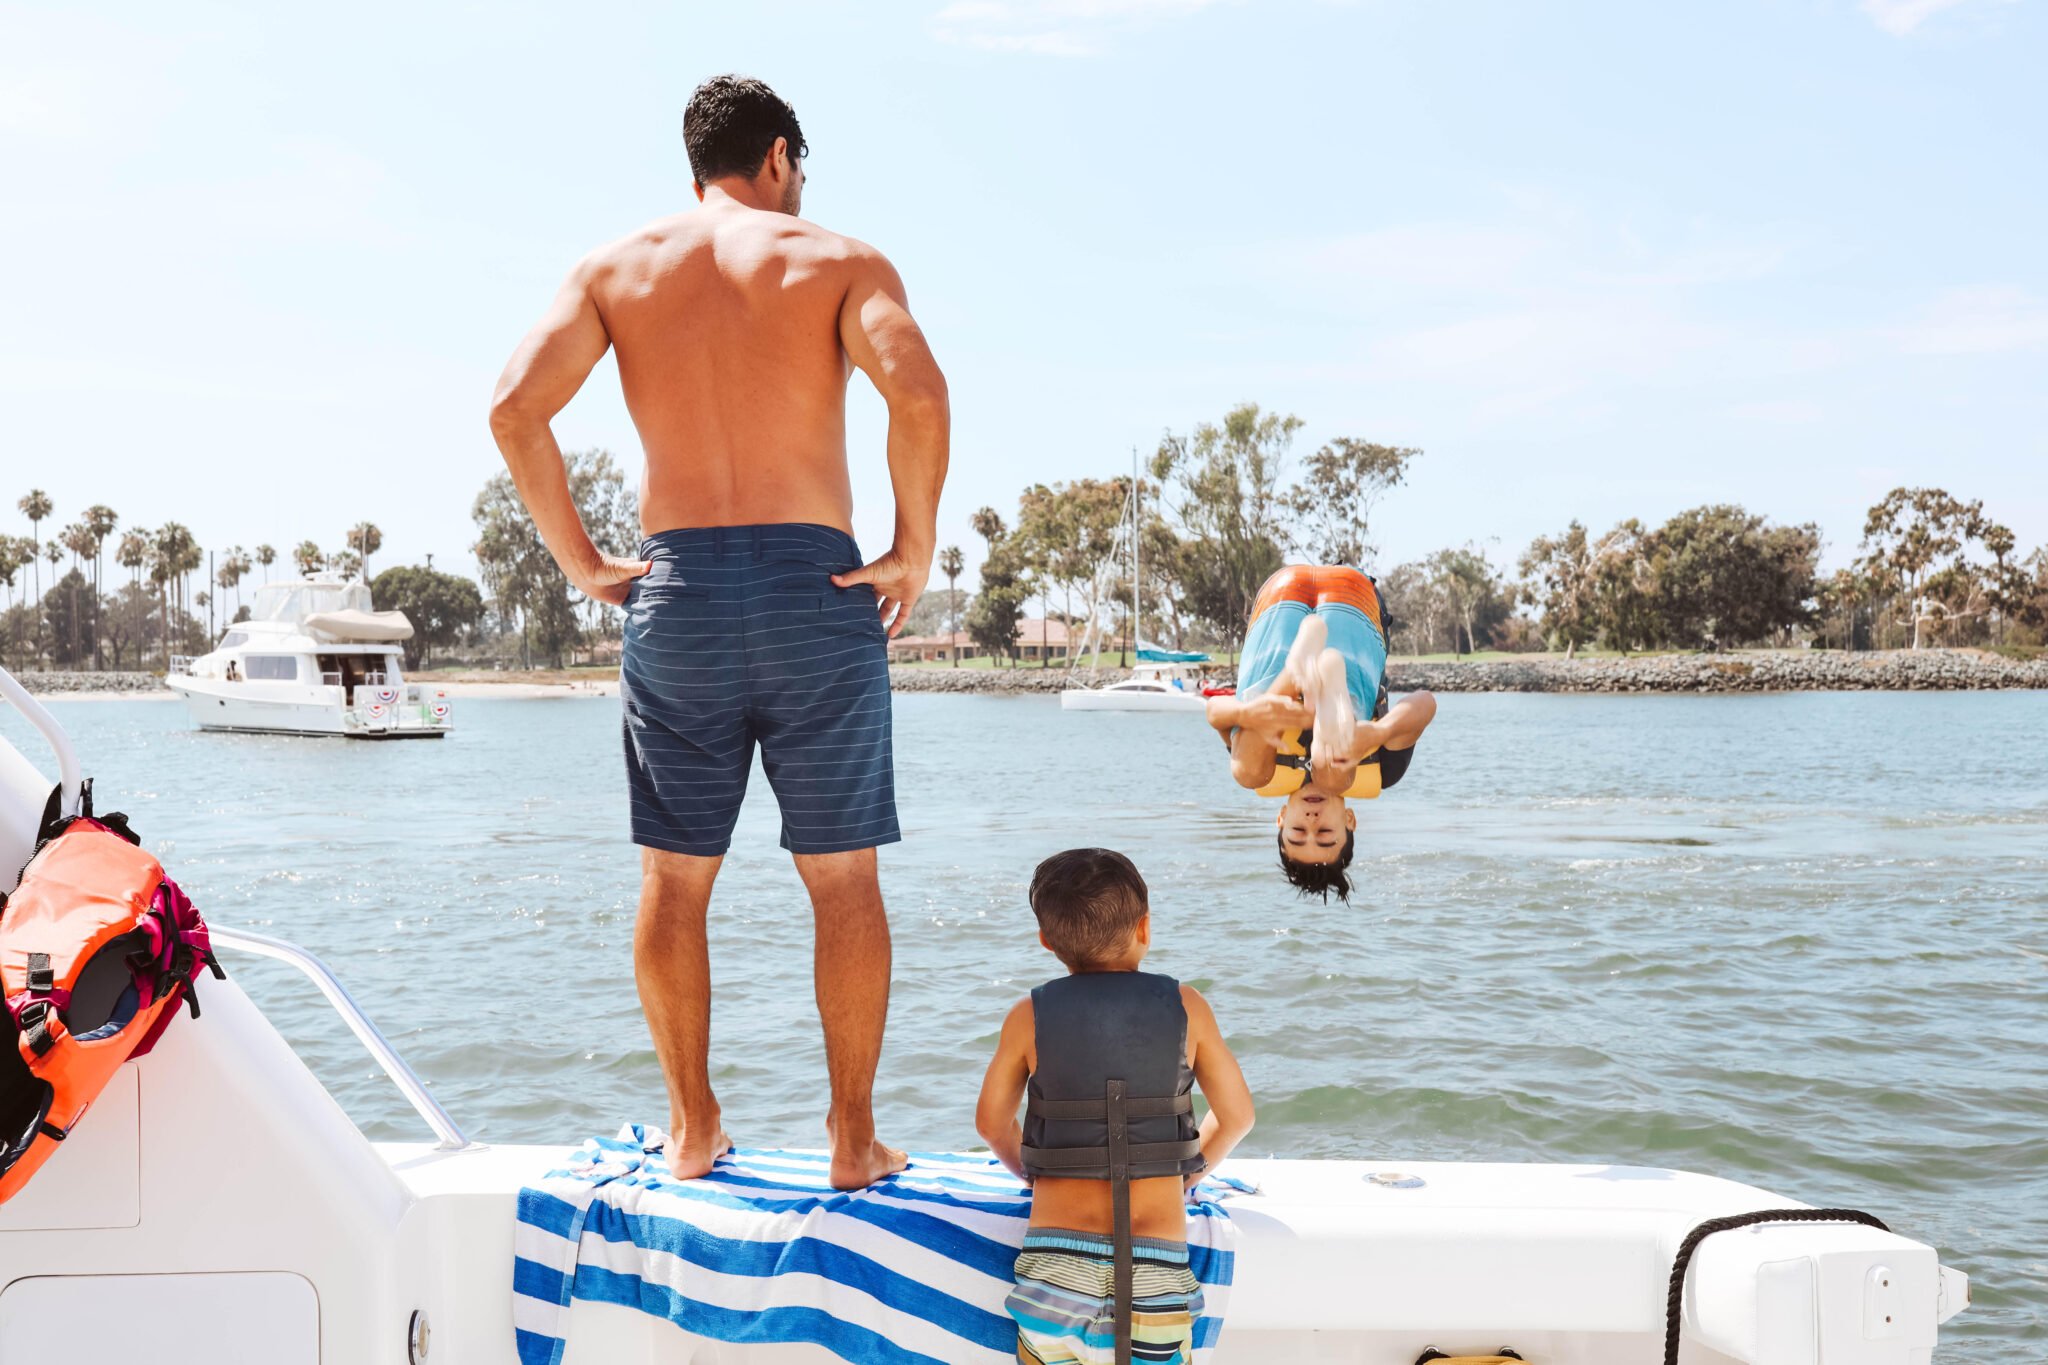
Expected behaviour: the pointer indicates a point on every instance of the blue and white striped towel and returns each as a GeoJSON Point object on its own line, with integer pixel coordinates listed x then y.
{"type": "Point", "coordinates": [911, 1271]}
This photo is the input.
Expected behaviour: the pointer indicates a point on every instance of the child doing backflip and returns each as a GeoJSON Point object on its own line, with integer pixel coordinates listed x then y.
{"type": "Point", "coordinates": [1106, 1059]}
{"type": "Point", "coordinates": [1310, 720]}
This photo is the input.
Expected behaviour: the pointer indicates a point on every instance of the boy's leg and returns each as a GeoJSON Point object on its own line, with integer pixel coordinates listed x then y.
{"type": "Point", "coordinates": [672, 965]}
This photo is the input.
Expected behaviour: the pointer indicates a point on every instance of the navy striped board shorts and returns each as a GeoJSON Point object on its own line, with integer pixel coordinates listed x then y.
{"type": "Point", "coordinates": [736, 637]}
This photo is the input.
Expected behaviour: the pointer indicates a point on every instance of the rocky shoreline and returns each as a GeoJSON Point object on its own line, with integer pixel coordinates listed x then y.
{"type": "Point", "coordinates": [81, 680]}
{"type": "Point", "coordinates": [1927, 670]}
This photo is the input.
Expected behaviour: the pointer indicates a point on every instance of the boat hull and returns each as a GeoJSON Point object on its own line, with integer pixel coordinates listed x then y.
{"type": "Point", "coordinates": [1100, 699]}
{"type": "Point", "coordinates": [293, 709]}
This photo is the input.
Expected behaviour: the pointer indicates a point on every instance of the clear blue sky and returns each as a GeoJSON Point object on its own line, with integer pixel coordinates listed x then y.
{"type": "Point", "coordinates": [262, 263]}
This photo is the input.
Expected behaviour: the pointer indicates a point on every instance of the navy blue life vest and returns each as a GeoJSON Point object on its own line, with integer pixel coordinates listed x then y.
{"type": "Point", "coordinates": [1110, 1041]}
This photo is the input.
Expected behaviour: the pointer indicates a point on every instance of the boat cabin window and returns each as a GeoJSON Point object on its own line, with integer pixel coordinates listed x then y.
{"type": "Point", "coordinates": [353, 670]}
{"type": "Point", "coordinates": [233, 638]}
{"type": "Point", "coordinates": [271, 667]}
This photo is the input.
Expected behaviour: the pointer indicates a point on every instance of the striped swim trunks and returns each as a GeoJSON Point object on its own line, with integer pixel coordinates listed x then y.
{"type": "Point", "coordinates": [1065, 1306]}
{"type": "Point", "coordinates": [736, 637]}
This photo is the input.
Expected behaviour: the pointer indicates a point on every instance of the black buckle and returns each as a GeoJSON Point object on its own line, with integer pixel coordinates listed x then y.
{"type": "Point", "coordinates": [41, 975]}
{"type": "Point", "coordinates": [34, 1019]}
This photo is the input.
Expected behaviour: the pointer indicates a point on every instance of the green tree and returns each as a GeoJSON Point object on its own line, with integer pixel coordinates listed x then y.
{"type": "Point", "coordinates": [992, 620]}
{"type": "Point", "coordinates": [1471, 587]}
{"type": "Point", "coordinates": [951, 564]}
{"type": "Point", "coordinates": [1559, 574]}
{"type": "Point", "coordinates": [1220, 486]}
{"type": "Point", "coordinates": [443, 607]}
{"type": "Point", "coordinates": [308, 558]}
{"type": "Point", "coordinates": [525, 587]}
{"type": "Point", "coordinates": [1332, 504]}
{"type": "Point", "coordinates": [1908, 535]}
{"type": "Point", "coordinates": [1624, 589]}
{"type": "Point", "coordinates": [266, 556]}
{"type": "Point", "coordinates": [1726, 577]}
{"type": "Point", "coordinates": [1067, 533]}
{"type": "Point", "coordinates": [129, 624]}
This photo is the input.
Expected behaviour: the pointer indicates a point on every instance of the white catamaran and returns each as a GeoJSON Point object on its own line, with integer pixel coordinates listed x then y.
{"type": "Point", "coordinates": [1162, 679]}
{"type": "Point", "coordinates": [217, 1207]}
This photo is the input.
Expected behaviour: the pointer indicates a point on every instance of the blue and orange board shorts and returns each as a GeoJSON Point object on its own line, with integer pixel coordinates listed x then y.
{"type": "Point", "coordinates": [737, 638]}
{"type": "Point", "coordinates": [1349, 604]}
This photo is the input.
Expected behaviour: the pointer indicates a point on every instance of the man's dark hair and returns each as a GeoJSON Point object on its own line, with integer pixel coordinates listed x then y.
{"type": "Point", "coordinates": [1088, 901]}
{"type": "Point", "coordinates": [1320, 879]}
{"type": "Point", "coordinates": [730, 126]}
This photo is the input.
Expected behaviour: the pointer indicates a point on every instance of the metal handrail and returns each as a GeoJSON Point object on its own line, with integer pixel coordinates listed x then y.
{"type": "Point", "coordinates": [70, 776]}
{"type": "Point", "coordinates": [452, 1138]}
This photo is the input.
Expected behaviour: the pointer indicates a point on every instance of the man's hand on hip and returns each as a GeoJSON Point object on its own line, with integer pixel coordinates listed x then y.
{"type": "Point", "coordinates": [898, 580]}
{"type": "Point", "coordinates": [609, 579]}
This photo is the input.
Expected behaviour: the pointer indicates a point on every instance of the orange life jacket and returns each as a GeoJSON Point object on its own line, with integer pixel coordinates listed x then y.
{"type": "Point", "coordinates": [97, 947]}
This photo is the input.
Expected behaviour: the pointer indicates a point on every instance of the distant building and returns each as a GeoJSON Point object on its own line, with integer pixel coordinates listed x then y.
{"type": "Point", "coordinates": [1037, 639]}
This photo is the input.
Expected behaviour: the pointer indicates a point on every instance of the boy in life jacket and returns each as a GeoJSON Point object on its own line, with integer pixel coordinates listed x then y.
{"type": "Point", "coordinates": [1106, 1059]}
{"type": "Point", "coordinates": [1310, 721]}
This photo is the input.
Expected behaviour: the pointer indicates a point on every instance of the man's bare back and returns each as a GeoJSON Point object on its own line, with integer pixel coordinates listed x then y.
{"type": "Point", "coordinates": [736, 326]}
{"type": "Point", "coordinates": [731, 332]}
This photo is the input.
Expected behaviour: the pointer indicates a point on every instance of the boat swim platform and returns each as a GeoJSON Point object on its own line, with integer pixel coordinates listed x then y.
{"type": "Point", "coordinates": [216, 1179]}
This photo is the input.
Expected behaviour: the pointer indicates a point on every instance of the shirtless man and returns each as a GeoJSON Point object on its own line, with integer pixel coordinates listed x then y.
{"type": "Point", "coordinates": [750, 616]}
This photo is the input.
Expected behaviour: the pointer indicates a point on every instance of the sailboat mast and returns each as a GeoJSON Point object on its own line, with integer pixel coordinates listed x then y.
{"type": "Point", "coordinates": [1137, 498]}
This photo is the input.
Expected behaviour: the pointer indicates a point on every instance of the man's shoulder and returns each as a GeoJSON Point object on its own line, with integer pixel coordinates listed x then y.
{"type": "Point", "coordinates": [649, 239]}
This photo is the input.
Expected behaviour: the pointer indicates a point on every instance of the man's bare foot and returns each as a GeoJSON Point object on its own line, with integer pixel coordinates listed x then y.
{"type": "Point", "coordinates": [860, 1160]}
{"type": "Point", "coordinates": [689, 1155]}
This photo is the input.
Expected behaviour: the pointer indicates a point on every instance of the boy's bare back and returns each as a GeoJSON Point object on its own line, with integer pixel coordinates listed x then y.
{"type": "Point", "coordinates": [735, 330]}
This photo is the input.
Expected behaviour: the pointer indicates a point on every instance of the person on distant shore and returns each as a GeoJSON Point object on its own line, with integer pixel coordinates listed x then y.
{"type": "Point", "coordinates": [1128, 1048]}
{"type": "Point", "coordinates": [1310, 720]}
{"type": "Point", "coordinates": [750, 615]}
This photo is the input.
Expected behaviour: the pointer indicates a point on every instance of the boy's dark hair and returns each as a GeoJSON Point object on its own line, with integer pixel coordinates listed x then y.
{"type": "Point", "coordinates": [1088, 901]}
{"type": "Point", "coordinates": [730, 126]}
{"type": "Point", "coordinates": [1320, 879]}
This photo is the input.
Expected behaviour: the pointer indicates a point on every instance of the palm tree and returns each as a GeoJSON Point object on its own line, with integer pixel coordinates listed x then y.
{"type": "Point", "coordinates": [266, 557]}
{"type": "Point", "coordinates": [160, 573]}
{"type": "Point", "coordinates": [102, 519]}
{"type": "Point", "coordinates": [231, 571]}
{"type": "Point", "coordinates": [346, 564]}
{"type": "Point", "coordinates": [950, 564]}
{"type": "Point", "coordinates": [365, 539]}
{"type": "Point", "coordinates": [35, 506]}
{"type": "Point", "coordinates": [308, 558]}
{"type": "Point", "coordinates": [132, 554]}
{"type": "Point", "coordinates": [78, 538]}
{"type": "Point", "coordinates": [989, 526]}
{"type": "Point", "coordinates": [176, 555]}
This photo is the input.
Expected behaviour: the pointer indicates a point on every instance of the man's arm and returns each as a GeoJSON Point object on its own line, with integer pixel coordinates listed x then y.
{"type": "Point", "coordinates": [885, 343]}
{"type": "Point", "coordinates": [543, 374]}
{"type": "Point", "coordinates": [1230, 1114]}
{"type": "Point", "coordinates": [995, 1114]}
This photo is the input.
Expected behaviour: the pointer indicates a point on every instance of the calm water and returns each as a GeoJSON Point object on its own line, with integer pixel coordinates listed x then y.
{"type": "Point", "coordinates": [1794, 940]}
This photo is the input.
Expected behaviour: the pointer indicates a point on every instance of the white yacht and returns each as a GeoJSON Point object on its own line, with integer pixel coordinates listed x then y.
{"type": "Point", "coordinates": [217, 1207]}
{"type": "Point", "coordinates": [314, 658]}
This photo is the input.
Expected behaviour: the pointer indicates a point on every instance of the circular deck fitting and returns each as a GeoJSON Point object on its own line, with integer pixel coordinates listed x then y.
{"type": "Point", "coordinates": [1394, 1180]}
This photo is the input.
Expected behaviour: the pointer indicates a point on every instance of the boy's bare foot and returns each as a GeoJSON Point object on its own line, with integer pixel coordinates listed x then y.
{"type": "Point", "coordinates": [858, 1160]}
{"type": "Point", "coordinates": [693, 1150]}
